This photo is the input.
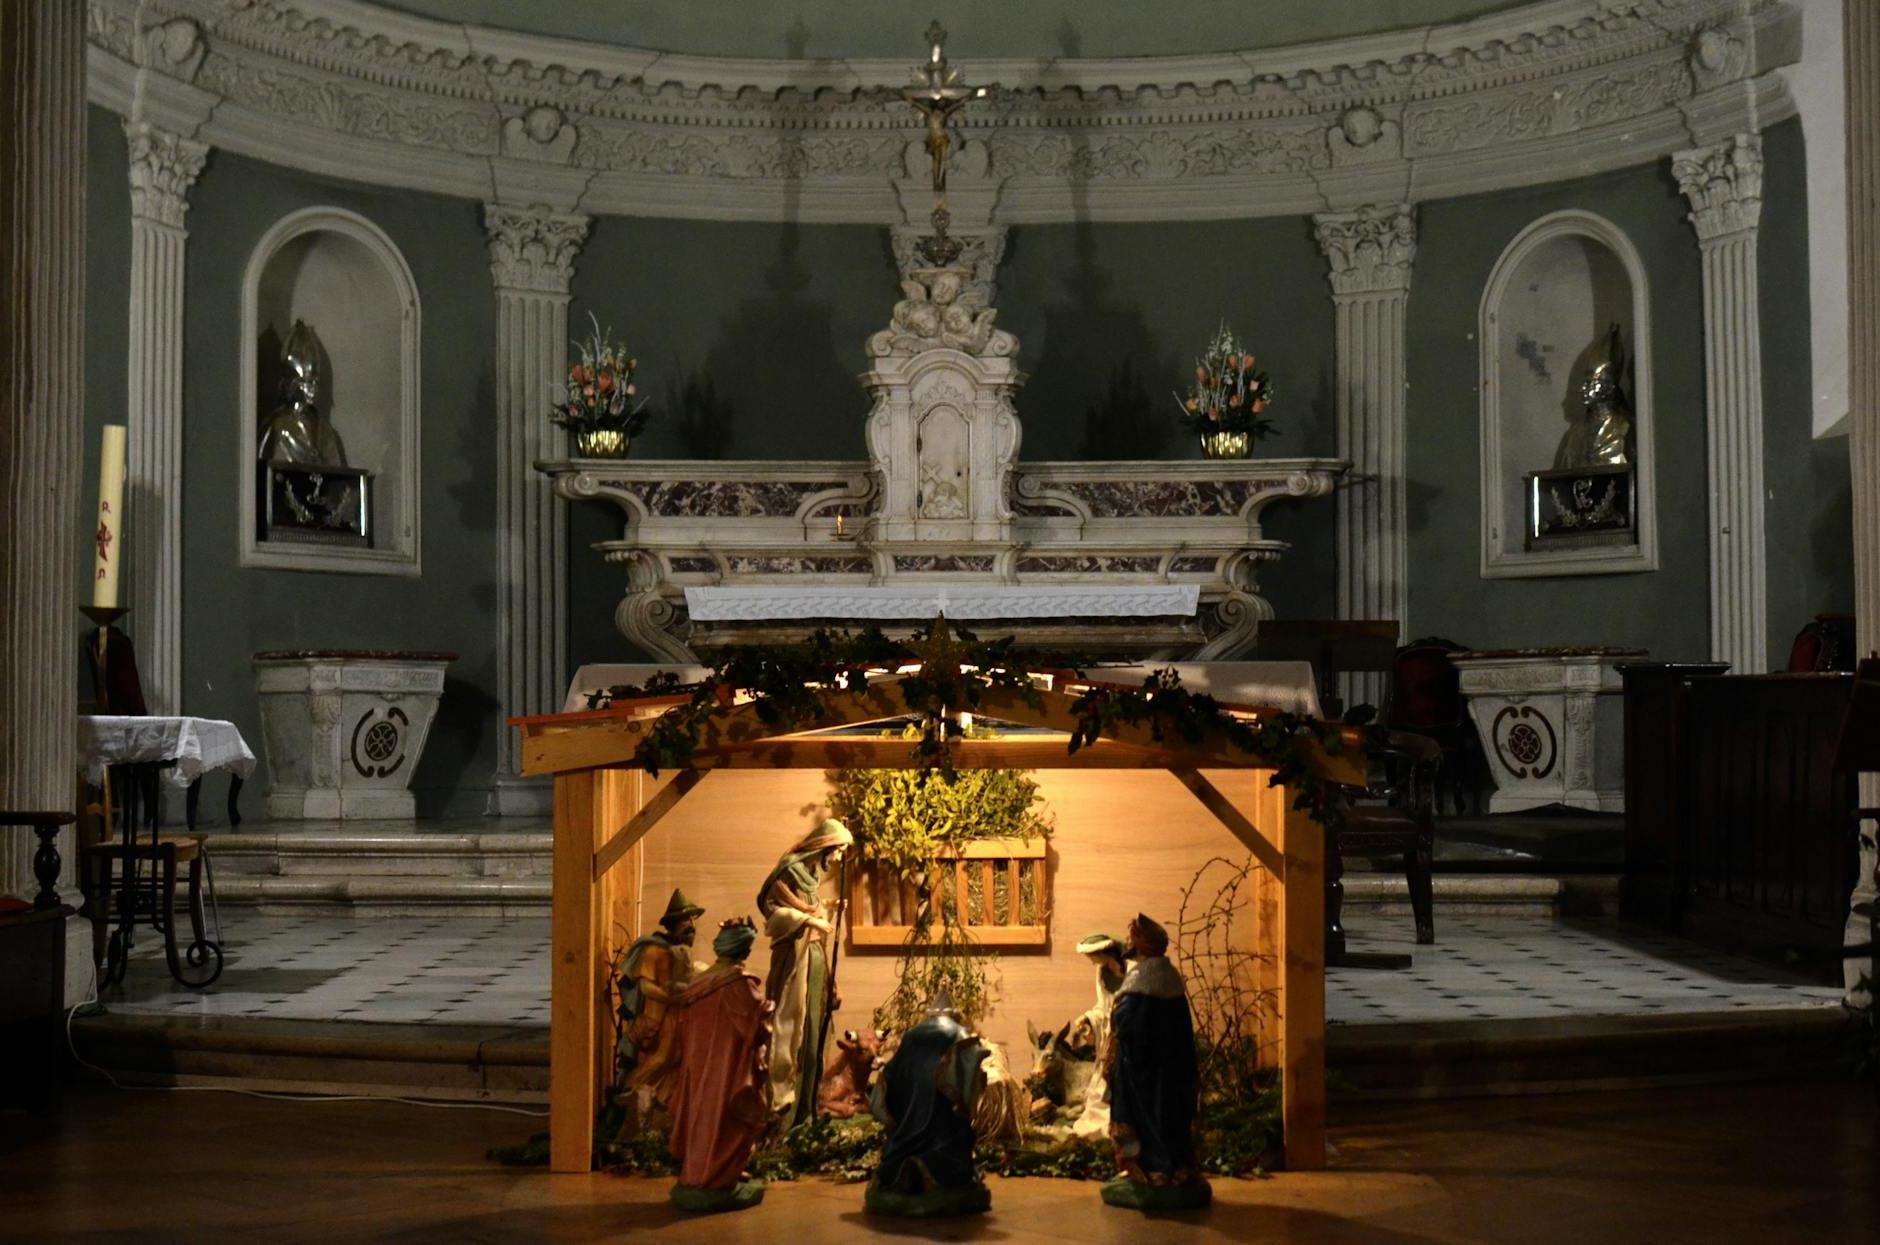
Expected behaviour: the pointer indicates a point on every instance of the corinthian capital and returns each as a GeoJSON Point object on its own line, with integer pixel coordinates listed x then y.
{"type": "Point", "coordinates": [533, 248]}
{"type": "Point", "coordinates": [163, 168]}
{"type": "Point", "coordinates": [1370, 250]}
{"type": "Point", "coordinates": [1724, 185]}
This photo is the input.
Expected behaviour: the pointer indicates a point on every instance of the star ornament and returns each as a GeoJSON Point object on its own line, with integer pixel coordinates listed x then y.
{"type": "Point", "coordinates": [938, 649]}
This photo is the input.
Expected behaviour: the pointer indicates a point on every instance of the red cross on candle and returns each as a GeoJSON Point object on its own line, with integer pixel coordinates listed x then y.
{"type": "Point", "coordinates": [104, 541]}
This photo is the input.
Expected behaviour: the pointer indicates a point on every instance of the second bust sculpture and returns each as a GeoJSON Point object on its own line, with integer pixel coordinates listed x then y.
{"type": "Point", "coordinates": [299, 431]}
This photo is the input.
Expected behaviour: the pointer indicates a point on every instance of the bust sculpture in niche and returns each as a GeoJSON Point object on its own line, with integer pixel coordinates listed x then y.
{"type": "Point", "coordinates": [299, 432]}
{"type": "Point", "coordinates": [1601, 436]}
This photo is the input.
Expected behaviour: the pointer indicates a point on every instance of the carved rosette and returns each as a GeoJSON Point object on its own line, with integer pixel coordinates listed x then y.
{"type": "Point", "coordinates": [533, 248]}
{"type": "Point", "coordinates": [1370, 250]}
{"type": "Point", "coordinates": [163, 167]}
{"type": "Point", "coordinates": [1723, 184]}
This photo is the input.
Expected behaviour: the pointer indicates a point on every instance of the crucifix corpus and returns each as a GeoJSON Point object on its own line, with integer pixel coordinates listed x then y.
{"type": "Point", "coordinates": [937, 93]}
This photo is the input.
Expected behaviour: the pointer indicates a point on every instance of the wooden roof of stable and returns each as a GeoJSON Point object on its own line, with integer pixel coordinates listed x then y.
{"type": "Point", "coordinates": [739, 738]}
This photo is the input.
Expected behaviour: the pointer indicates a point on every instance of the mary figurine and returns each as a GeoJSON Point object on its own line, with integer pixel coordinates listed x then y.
{"type": "Point", "coordinates": [797, 924]}
{"type": "Point", "coordinates": [924, 1099]}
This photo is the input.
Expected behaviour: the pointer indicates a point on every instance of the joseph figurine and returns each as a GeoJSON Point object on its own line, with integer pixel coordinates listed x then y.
{"type": "Point", "coordinates": [798, 924]}
{"type": "Point", "coordinates": [1154, 1082]}
{"type": "Point", "coordinates": [721, 1093]}
{"type": "Point", "coordinates": [653, 971]}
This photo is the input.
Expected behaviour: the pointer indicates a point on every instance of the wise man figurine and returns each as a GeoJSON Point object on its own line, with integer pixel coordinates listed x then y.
{"type": "Point", "coordinates": [924, 1099]}
{"type": "Point", "coordinates": [299, 431]}
{"type": "Point", "coordinates": [798, 924]}
{"type": "Point", "coordinates": [1107, 953]}
{"type": "Point", "coordinates": [721, 1091]}
{"type": "Point", "coordinates": [1154, 1082]}
{"type": "Point", "coordinates": [652, 973]}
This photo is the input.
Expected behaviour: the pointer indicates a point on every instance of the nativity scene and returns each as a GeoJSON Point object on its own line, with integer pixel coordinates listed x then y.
{"type": "Point", "coordinates": [1182, 622]}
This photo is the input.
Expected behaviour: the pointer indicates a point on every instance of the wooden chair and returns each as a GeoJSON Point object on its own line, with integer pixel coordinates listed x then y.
{"type": "Point", "coordinates": [1426, 699]}
{"type": "Point", "coordinates": [1394, 815]}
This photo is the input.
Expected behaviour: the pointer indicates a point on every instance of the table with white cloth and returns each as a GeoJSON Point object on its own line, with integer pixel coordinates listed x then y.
{"type": "Point", "coordinates": [132, 754]}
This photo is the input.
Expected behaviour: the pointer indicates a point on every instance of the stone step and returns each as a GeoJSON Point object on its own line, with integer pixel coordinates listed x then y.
{"type": "Point", "coordinates": [1486, 894]}
{"type": "Point", "coordinates": [385, 874]}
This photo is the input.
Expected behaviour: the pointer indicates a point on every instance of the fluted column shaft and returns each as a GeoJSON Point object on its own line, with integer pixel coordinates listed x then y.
{"type": "Point", "coordinates": [42, 284]}
{"type": "Point", "coordinates": [532, 254]}
{"type": "Point", "coordinates": [1862, 51]}
{"type": "Point", "coordinates": [1724, 186]}
{"type": "Point", "coordinates": [1370, 252]}
{"type": "Point", "coordinates": [163, 168]}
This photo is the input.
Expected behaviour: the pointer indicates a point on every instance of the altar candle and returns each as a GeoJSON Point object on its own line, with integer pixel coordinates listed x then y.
{"type": "Point", "coordinates": [109, 535]}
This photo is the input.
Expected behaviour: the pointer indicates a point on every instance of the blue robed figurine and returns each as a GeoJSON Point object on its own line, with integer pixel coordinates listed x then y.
{"type": "Point", "coordinates": [1154, 1082]}
{"type": "Point", "coordinates": [924, 1099]}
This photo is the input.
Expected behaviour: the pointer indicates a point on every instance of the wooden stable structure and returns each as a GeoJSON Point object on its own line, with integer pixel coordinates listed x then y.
{"type": "Point", "coordinates": [604, 805]}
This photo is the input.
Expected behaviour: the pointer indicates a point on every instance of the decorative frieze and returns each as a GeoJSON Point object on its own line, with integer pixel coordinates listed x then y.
{"type": "Point", "coordinates": [1724, 186]}
{"type": "Point", "coordinates": [1370, 253]}
{"type": "Point", "coordinates": [356, 91]}
{"type": "Point", "coordinates": [163, 167]}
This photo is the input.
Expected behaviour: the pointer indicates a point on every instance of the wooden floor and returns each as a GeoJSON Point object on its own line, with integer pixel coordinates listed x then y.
{"type": "Point", "coordinates": [1714, 1165]}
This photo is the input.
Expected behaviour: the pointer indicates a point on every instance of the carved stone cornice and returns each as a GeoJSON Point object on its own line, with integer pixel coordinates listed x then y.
{"type": "Point", "coordinates": [1724, 185]}
{"type": "Point", "coordinates": [163, 167]}
{"type": "Point", "coordinates": [1370, 250]}
{"type": "Point", "coordinates": [353, 90]}
{"type": "Point", "coordinates": [533, 249]}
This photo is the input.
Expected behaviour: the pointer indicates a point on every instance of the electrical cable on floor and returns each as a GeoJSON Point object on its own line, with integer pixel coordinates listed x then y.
{"type": "Point", "coordinates": [72, 1045]}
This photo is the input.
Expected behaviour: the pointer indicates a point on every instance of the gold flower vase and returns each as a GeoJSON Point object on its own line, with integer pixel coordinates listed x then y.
{"type": "Point", "coordinates": [601, 443]}
{"type": "Point", "coordinates": [1226, 444]}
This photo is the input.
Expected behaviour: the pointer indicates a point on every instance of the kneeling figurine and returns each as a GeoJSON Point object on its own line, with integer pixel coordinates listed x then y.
{"type": "Point", "coordinates": [1154, 1082]}
{"type": "Point", "coordinates": [924, 1099]}
{"type": "Point", "coordinates": [721, 1092]}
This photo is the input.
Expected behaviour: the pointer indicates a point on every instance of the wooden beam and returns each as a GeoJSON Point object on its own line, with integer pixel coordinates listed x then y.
{"type": "Point", "coordinates": [1302, 988]}
{"type": "Point", "coordinates": [1266, 850]}
{"type": "Point", "coordinates": [847, 752]}
{"type": "Point", "coordinates": [645, 819]}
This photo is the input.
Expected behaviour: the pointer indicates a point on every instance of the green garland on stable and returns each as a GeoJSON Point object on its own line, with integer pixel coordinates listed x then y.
{"type": "Point", "coordinates": [788, 685]}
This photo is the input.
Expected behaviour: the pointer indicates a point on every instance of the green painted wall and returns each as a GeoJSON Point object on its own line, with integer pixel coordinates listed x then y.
{"type": "Point", "coordinates": [231, 612]}
{"type": "Point", "coordinates": [1667, 611]}
{"type": "Point", "coordinates": [769, 320]}
{"type": "Point", "coordinates": [750, 336]}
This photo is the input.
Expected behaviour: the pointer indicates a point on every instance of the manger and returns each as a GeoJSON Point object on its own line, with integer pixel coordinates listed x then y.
{"type": "Point", "coordinates": [703, 788]}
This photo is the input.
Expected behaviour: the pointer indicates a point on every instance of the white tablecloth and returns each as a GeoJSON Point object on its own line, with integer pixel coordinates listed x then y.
{"type": "Point", "coordinates": [197, 745]}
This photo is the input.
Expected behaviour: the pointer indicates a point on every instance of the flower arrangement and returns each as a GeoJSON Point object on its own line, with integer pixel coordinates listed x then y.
{"type": "Point", "coordinates": [1227, 397]}
{"type": "Point", "coordinates": [600, 406]}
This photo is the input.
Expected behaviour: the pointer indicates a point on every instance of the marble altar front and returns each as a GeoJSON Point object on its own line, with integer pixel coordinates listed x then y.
{"type": "Point", "coordinates": [1552, 721]}
{"type": "Point", "coordinates": [343, 729]}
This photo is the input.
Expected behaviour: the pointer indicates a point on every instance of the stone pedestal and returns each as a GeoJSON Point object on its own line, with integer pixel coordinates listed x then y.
{"type": "Point", "coordinates": [1552, 723]}
{"type": "Point", "coordinates": [343, 730]}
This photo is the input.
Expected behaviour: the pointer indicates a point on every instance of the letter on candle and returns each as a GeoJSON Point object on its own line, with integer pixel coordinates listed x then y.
{"type": "Point", "coordinates": [110, 532]}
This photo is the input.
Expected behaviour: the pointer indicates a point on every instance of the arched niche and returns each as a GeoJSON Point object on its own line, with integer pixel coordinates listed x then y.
{"type": "Point", "coordinates": [339, 273]}
{"type": "Point", "coordinates": [1545, 313]}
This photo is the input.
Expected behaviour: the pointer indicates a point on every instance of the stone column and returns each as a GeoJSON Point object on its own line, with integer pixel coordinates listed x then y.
{"type": "Point", "coordinates": [1370, 252]}
{"type": "Point", "coordinates": [1724, 185]}
{"type": "Point", "coordinates": [163, 168]}
{"type": "Point", "coordinates": [42, 368]}
{"type": "Point", "coordinates": [1862, 50]}
{"type": "Point", "coordinates": [532, 254]}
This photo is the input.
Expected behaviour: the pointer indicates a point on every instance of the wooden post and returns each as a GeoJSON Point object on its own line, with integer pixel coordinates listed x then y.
{"type": "Point", "coordinates": [1302, 987]}
{"type": "Point", "coordinates": [1265, 903]}
{"type": "Point", "coordinates": [573, 1000]}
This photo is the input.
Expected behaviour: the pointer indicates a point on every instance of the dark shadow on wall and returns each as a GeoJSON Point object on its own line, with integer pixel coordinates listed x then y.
{"type": "Point", "coordinates": [465, 715]}
{"type": "Point", "coordinates": [1099, 356]}
{"type": "Point", "coordinates": [784, 383]}
{"type": "Point", "coordinates": [468, 494]}
{"type": "Point", "coordinates": [701, 420]}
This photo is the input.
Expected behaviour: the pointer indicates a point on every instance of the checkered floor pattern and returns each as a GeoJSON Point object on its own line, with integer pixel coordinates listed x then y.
{"type": "Point", "coordinates": [495, 972]}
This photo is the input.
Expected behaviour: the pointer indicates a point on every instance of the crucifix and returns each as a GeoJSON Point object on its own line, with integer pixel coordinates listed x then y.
{"type": "Point", "coordinates": [937, 93]}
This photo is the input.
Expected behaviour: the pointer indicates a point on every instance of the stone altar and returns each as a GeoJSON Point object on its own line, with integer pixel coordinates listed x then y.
{"type": "Point", "coordinates": [343, 729]}
{"type": "Point", "coordinates": [1552, 721]}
